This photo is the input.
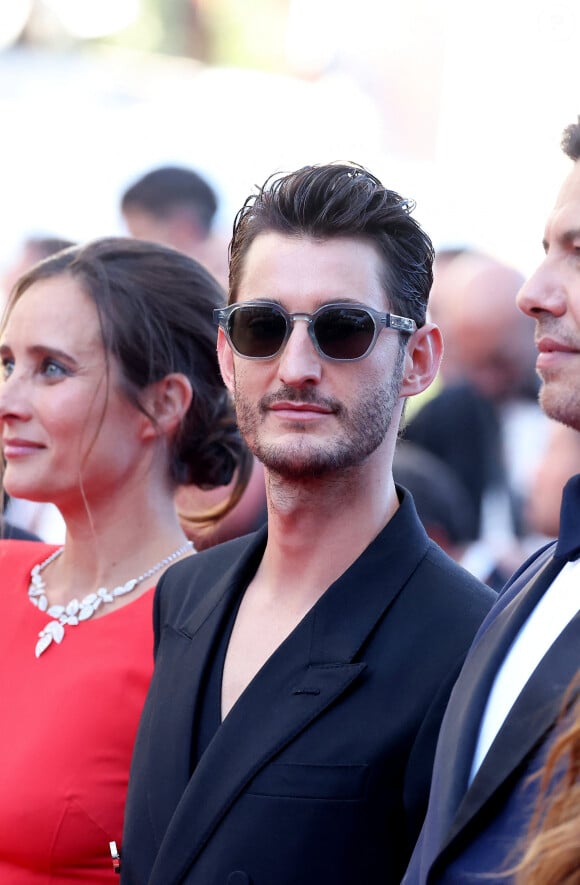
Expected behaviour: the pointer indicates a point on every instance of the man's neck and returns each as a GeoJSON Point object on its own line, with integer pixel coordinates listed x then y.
{"type": "Point", "coordinates": [318, 528]}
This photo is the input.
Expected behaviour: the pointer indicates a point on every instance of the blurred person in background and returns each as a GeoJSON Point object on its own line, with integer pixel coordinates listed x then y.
{"type": "Point", "coordinates": [12, 532]}
{"type": "Point", "coordinates": [504, 710]}
{"type": "Point", "coordinates": [32, 517]}
{"type": "Point", "coordinates": [110, 396]}
{"type": "Point", "coordinates": [175, 207]}
{"type": "Point", "coordinates": [32, 250]}
{"type": "Point", "coordinates": [443, 504]}
{"type": "Point", "coordinates": [487, 337]}
{"type": "Point", "coordinates": [461, 429]}
{"type": "Point", "coordinates": [560, 460]}
{"type": "Point", "coordinates": [485, 421]}
{"type": "Point", "coordinates": [490, 346]}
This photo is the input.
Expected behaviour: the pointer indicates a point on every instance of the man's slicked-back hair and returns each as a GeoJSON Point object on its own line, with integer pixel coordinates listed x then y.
{"type": "Point", "coordinates": [342, 200]}
{"type": "Point", "coordinates": [571, 140]}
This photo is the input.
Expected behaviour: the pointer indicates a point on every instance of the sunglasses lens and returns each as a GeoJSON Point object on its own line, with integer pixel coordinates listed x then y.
{"type": "Point", "coordinates": [344, 333]}
{"type": "Point", "coordinates": [257, 331]}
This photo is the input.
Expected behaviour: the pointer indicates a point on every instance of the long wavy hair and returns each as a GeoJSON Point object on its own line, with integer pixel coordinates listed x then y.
{"type": "Point", "coordinates": [552, 852]}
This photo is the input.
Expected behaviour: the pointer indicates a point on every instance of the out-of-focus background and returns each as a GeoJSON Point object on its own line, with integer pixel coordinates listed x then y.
{"type": "Point", "coordinates": [458, 105]}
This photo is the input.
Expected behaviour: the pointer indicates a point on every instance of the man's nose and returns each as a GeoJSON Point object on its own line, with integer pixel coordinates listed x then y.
{"type": "Point", "coordinates": [299, 362]}
{"type": "Point", "coordinates": [544, 292]}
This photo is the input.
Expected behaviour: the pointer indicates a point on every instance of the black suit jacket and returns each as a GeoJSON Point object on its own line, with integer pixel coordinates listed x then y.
{"type": "Point", "coordinates": [475, 829]}
{"type": "Point", "coordinates": [320, 772]}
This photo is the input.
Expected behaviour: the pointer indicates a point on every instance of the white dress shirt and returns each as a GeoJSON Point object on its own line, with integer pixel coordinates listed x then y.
{"type": "Point", "coordinates": [559, 604]}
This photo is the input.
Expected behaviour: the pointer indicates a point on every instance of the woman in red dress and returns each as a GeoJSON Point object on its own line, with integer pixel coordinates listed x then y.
{"type": "Point", "coordinates": [110, 397]}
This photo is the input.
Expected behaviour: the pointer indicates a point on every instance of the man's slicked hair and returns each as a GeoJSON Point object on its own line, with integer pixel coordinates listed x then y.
{"type": "Point", "coordinates": [342, 200]}
{"type": "Point", "coordinates": [571, 141]}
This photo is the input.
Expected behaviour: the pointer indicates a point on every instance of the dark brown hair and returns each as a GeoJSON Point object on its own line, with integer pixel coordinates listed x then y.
{"type": "Point", "coordinates": [155, 311]}
{"type": "Point", "coordinates": [571, 140]}
{"type": "Point", "coordinates": [342, 200]}
{"type": "Point", "coordinates": [168, 188]}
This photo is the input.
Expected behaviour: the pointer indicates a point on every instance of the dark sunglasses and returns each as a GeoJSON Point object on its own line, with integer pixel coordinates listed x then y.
{"type": "Point", "coordinates": [258, 330]}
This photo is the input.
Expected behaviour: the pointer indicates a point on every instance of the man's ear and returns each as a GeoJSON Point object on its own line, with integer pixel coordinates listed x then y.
{"type": "Point", "coordinates": [166, 401]}
{"type": "Point", "coordinates": [226, 360]}
{"type": "Point", "coordinates": [422, 359]}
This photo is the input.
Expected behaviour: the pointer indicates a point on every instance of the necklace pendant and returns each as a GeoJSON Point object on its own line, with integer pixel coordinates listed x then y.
{"type": "Point", "coordinates": [42, 644]}
{"type": "Point", "coordinates": [53, 632]}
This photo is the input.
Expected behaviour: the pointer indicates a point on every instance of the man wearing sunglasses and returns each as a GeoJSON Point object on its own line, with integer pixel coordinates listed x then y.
{"type": "Point", "coordinates": [302, 672]}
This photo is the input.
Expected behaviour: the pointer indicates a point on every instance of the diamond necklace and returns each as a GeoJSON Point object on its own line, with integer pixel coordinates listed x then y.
{"type": "Point", "coordinates": [76, 610]}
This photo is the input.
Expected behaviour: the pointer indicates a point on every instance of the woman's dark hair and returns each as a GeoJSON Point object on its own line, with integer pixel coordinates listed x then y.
{"type": "Point", "coordinates": [155, 312]}
{"type": "Point", "coordinates": [342, 200]}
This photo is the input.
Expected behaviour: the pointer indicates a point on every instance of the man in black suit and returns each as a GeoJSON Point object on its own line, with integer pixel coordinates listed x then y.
{"type": "Point", "coordinates": [302, 672]}
{"type": "Point", "coordinates": [503, 709]}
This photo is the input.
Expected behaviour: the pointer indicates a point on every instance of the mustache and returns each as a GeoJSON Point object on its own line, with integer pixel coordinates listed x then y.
{"type": "Point", "coordinates": [304, 395]}
{"type": "Point", "coordinates": [551, 328]}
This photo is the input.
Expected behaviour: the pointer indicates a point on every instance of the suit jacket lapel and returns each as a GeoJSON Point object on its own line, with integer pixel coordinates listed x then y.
{"type": "Point", "coordinates": [308, 672]}
{"type": "Point", "coordinates": [279, 703]}
{"type": "Point", "coordinates": [523, 727]}
{"type": "Point", "coordinates": [533, 714]}
{"type": "Point", "coordinates": [175, 706]}
{"type": "Point", "coordinates": [459, 731]}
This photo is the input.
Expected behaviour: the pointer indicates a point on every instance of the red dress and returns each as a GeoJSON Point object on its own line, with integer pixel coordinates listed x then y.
{"type": "Point", "coordinates": [69, 720]}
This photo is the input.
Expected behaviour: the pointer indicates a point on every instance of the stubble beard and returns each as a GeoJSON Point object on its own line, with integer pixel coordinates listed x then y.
{"type": "Point", "coordinates": [362, 430]}
{"type": "Point", "coordinates": [560, 405]}
{"type": "Point", "coordinates": [558, 395]}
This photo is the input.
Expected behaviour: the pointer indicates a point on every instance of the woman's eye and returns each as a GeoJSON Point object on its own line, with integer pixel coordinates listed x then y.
{"type": "Point", "coordinates": [52, 369]}
{"type": "Point", "coordinates": [7, 367]}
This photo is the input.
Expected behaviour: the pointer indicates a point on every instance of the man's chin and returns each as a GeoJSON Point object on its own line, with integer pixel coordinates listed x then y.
{"type": "Point", "coordinates": [301, 463]}
{"type": "Point", "coordinates": [560, 405]}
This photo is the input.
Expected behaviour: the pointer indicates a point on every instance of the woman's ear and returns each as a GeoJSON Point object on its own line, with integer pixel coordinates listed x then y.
{"type": "Point", "coordinates": [226, 360]}
{"type": "Point", "coordinates": [166, 401]}
{"type": "Point", "coordinates": [422, 359]}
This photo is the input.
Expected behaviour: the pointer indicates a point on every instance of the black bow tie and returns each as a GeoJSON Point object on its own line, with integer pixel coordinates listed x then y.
{"type": "Point", "coordinates": [568, 546]}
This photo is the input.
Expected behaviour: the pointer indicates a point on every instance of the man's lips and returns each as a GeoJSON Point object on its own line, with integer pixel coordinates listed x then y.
{"type": "Point", "coordinates": [300, 407]}
{"type": "Point", "coordinates": [299, 410]}
{"type": "Point", "coordinates": [550, 345]}
{"type": "Point", "coordinates": [551, 352]}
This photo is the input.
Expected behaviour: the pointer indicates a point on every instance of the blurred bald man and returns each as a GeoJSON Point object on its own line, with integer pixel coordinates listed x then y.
{"type": "Point", "coordinates": [488, 371]}
{"type": "Point", "coordinates": [488, 341]}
